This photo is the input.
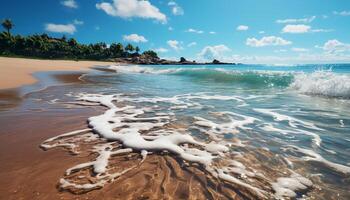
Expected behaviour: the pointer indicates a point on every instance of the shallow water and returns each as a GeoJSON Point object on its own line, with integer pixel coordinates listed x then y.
{"type": "Point", "coordinates": [300, 114]}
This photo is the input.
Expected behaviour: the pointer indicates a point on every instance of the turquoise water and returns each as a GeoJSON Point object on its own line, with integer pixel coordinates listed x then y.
{"type": "Point", "coordinates": [295, 115]}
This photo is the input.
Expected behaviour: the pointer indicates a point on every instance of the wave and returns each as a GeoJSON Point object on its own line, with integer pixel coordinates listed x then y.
{"type": "Point", "coordinates": [320, 83]}
{"type": "Point", "coordinates": [323, 83]}
{"type": "Point", "coordinates": [249, 78]}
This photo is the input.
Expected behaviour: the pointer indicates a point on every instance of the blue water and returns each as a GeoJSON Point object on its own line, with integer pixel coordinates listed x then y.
{"type": "Point", "coordinates": [301, 113]}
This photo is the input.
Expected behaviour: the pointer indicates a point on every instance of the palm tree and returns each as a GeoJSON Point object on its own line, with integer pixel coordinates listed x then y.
{"type": "Point", "coordinates": [129, 48]}
{"type": "Point", "coordinates": [8, 25]}
{"type": "Point", "coordinates": [137, 49]}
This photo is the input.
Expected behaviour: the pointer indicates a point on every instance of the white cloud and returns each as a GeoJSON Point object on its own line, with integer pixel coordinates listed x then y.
{"type": "Point", "coordinates": [192, 44]}
{"type": "Point", "coordinates": [174, 44]}
{"type": "Point", "coordinates": [321, 30]}
{"type": "Point", "coordinates": [280, 51]}
{"type": "Point", "coordinates": [242, 28]}
{"type": "Point", "coordinates": [261, 32]}
{"type": "Point", "coordinates": [132, 8]}
{"type": "Point", "coordinates": [170, 28]}
{"type": "Point", "coordinates": [60, 28]}
{"type": "Point", "coordinates": [334, 46]}
{"type": "Point", "coordinates": [298, 28]}
{"type": "Point", "coordinates": [70, 3]}
{"type": "Point", "coordinates": [291, 21]}
{"type": "Point", "coordinates": [161, 50]}
{"type": "Point", "coordinates": [300, 59]}
{"type": "Point", "coordinates": [175, 8]}
{"type": "Point", "coordinates": [342, 13]}
{"type": "Point", "coordinates": [267, 41]}
{"type": "Point", "coordinates": [191, 30]}
{"type": "Point", "coordinates": [213, 52]}
{"type": "Point", "coordinates": [212, 32]}
{"type": "Point", "coordinates": [78, 22]}
{"type": "Point", "coordinates": [134, 38]}
{"type": "Point", "coordinates": [301, 28]}
{"type": "Point", "coordinates": [296, 49]}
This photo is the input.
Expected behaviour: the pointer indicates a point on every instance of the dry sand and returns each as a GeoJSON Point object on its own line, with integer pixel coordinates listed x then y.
{"type": "Point", "coordinates": [15, 72]}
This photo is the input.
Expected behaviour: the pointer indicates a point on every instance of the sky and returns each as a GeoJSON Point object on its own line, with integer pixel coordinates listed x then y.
{"type": "Point", "coordinates": [244, 31]}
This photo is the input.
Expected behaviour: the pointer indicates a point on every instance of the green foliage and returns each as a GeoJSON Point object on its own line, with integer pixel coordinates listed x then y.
{"type": "Point", "coordinates": [44, 46]}
{"type": "Point", "coordinates": [129, 48]}
{"type": "Point", "coordinates": [7, 24]}
{"type": "Point", "coordinates": [151, 54]}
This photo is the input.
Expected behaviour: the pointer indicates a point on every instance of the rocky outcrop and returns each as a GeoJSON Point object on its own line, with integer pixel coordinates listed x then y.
{"type": "Point", "coordinates": [149, 60]}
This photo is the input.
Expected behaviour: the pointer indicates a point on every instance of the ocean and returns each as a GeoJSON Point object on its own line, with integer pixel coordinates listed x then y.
{"type": "Point", "coordinates": [276, 131]}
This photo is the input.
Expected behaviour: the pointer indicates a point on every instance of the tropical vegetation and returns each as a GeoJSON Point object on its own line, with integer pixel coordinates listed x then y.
{"type": "Point", "coordinates": [45, 46]}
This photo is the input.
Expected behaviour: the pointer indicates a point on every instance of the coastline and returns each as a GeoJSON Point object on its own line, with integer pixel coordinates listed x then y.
{"type": "Point", "coordinates": [16, 72]}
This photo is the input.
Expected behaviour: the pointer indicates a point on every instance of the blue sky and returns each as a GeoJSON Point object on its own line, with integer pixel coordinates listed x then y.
{"type": "Point", "coordinates": [248, 31]}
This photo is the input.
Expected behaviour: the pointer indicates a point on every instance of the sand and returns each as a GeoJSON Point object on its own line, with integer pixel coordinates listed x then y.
{"type": "Point", "coordinates": [16, 72]}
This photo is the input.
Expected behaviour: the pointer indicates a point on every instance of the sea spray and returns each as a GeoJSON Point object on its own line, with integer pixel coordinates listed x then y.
{"type": "Point", "coordinates": [323, 83]}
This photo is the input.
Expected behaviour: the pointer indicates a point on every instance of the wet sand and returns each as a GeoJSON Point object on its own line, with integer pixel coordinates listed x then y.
{"type": "Point", "coordinates": [15, 72]}
{"type": "Point", "coordinates": [28, 172]}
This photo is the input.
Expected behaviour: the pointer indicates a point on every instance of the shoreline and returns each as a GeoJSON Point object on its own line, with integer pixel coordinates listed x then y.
{"type": "Point", "coordinates": [17, 72]}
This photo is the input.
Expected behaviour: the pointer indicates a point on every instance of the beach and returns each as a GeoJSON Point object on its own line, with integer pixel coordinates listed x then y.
{"type": "Point", "coordinates": [15, 72]}
{"type": "Point", "coordinates": [174, 132]}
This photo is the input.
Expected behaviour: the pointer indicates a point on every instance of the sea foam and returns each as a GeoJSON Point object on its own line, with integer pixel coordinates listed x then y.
{"type": "Point", "coordinates": [323, 83]}
{"type": "Point", "coordinates": [130, 129]}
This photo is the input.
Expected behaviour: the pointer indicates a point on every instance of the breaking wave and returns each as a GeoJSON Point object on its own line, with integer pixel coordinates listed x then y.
{"type": "Point", "coordinates": [321, 83]}
{"type": "Point", "coordinates": [324, 83]}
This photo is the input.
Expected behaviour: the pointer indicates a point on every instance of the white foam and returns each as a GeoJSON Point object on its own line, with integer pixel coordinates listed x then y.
{"type": "Point", "coordinates": [288, 186]}
{"type": "Point", "coordinates": [323, 83]}
{"type": "Point", "coordinates": [293, 122]}
{"type": "Point", "coordinates": [125, 126]}
{"type": "Point", "coordinates": [226, 127]}
{"type": "Point", "coordinates": [310, 155]}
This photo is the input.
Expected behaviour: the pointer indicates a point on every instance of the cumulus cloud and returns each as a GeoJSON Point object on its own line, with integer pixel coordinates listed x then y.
{"type": "Point", "coordinates": [175, 8]}
{"type": "Point", "coordinates": [242, 28]}
{"type": "Point", "coordinates": [342, 13]}
{"type": "Point", "coordinates": [212, 32]}
{"type": "Point", "coordinates": [291, 21]}
{"type": "Point", "coordinates": [191, 30]}
{"type": "Point", "coordinates": [60, 28]}
{"type": "Point", "coordinates": [213, 52]}
{"type": "Point", "coordinates": [70, 3]}
{"type": "Point", "coordinates": [296, 49]}
{"type": "Point", "coordinates": [301, 28]}
{"type": "Point", "coordinates": [174, 44]}
{"type": "Point", "coordinates": [334, 47]}
{"type": "Point", "coordinates": [267, 41]}
{"type": "Point", "coordinates": [132, 8]}
{"type": "Point", "coordinates": [298, 28]}
{"type": "Point", "coordinates": [192, 44]}
{"type": "Point", "coordinates": [161, 50]}
{"type": "Point", "coordinates": [134, 38]}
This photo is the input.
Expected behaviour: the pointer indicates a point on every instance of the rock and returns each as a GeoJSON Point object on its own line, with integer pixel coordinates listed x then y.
{"type": "Point", "coordinates": [182, 60]}
{"type": "Point", "coordinates": [216, 62]}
